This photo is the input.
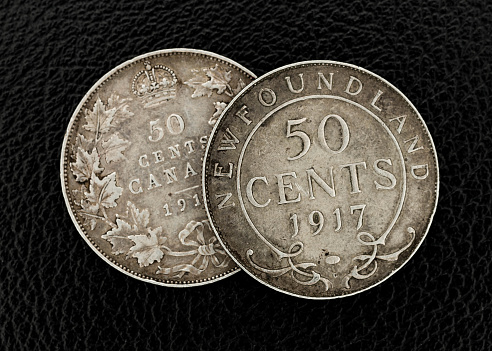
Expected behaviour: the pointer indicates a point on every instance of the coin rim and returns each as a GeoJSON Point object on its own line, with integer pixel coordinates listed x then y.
{"type": "Point", "coordinates": [258, 81]}
{"type": "Point", "coordinates": [64, 162]}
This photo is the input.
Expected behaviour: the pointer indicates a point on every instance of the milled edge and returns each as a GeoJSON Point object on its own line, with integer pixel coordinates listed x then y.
{"type": "Point", "coordinates": [64, 161]}
{"type": "Point", "coordinates": [277, 72]}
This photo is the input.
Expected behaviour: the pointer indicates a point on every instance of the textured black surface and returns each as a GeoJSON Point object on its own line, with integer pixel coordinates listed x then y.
{"type": "Point", "coordinates": [56, 294]}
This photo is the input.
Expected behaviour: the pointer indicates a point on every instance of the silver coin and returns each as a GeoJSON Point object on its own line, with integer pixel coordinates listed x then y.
{"type": "Point", "coordinates": [131, 165]}
{"type": "Point", "coordinates": [321, 179]}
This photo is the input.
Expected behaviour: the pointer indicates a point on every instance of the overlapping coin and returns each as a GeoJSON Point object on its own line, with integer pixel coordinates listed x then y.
{"type": "Point", "coordinates": [321, 179]}
{"type": "Point", "coordinates": [131, 165]}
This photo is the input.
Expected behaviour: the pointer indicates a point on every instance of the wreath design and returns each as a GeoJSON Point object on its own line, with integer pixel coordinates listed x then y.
{"type": "Point", "coordinates": [218, 79]}
{"type": "Point", "coordinates": [129, 234]}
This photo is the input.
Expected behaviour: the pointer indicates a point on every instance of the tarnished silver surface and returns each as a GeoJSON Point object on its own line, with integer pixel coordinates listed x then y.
{"type": "Point", "coordinates": [321, 179]}
{"type": "Point", "coordinates": [131, 163]}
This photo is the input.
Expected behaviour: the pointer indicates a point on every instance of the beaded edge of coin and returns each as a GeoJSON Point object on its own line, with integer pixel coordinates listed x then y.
{"type": "Point", "coordinates": [64, 160]}
{"type": "Point", "coordinates": [371, 75]}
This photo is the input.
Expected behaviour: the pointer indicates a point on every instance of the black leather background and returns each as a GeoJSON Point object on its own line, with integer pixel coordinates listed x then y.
{"type": "Point", "coordinates": [56, 294]}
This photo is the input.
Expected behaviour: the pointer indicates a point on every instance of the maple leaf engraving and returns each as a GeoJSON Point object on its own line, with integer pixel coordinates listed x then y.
{"type": "Point", "coordinates": [216, 78]}
{"type": "Point", "coordinates": [99, 120]}
{"type": "Point", "coordinates": [90, 222]}
{"type": "Point", "coordinates": [197, 84]}
{"type": "Point", "coordinates": [113, 148]}
{"type": "Point", "coordinates": [120, 108]}
{"type": "Point", "coordinates": [85, 164]}
{"type": "Point", "coordinates": [219, 79]}
{"type": "Point", "coordinates": [239, 87]}
{"type": "Point", "coordinates": [103, 192]}
{"type": "Point", "coordinates": [77, 195]}
{"type": "Point", "coordinates": [131, 231]}
{"type": "Point", "coordinates": [89, 212]}
{"type": "Point", "coordinates": [147, 247]}
{"type": "Point", "coordinates": [119, 237]}
{"type": "Point", "coordinates": [82, 142]}
{"type": "Point", "coordinates": [140, 218]}
{"type": "Point", "coordinates": [219, 108]}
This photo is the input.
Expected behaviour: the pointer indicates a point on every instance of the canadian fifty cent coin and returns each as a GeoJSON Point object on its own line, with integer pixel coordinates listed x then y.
{"type": "Point", "coordinates": [321, 179]}
{"type": "Point", "coordinates": [131, 165]}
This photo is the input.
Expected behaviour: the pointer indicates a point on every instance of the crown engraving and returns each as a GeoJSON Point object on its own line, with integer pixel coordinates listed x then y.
{"type": "Point", "coordinates": [154, 85]}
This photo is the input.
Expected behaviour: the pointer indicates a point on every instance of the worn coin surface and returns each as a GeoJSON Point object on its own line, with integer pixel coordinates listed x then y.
{"type": "Point", "coordinates": [321, 179]}
{"type": "Point", "coordinates": [131, 165]}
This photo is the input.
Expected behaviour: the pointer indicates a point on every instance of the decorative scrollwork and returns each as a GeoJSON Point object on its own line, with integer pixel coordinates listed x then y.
{"type": "Point", "coordinates": [371, 259]}
{"type": "Point", "coordinates": [292, 267]}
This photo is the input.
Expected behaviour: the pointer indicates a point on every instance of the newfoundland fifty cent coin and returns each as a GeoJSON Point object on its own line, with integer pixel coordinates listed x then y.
{"type": "Point", "coordinates": [321, 179]}
{"type": "Point", "coordinates": [131, 163]}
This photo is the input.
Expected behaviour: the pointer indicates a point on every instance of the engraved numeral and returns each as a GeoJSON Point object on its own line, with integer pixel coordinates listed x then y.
{"type": "Point", "coordinates": [166, 207]}
{"type": "Point", "coordinates": [338, 218]}
{"type": "Point", "coordinates": [182, 204]}
{"type": "Point", "coordinates": [356, 208]}
{"type": "Point", "coordinates": [154, 128]}
{"type": "Point", "coordinates": [175, 125]}
{"type": "Point", "coordinates": [316, 219]}
{"type": "Point", "coordinates": [293, 218]}
{"type": "Point", "coordinates": [306, 141]}
{"type": "Point", "coordinates": [345, 134]}
{"type": "Point", "coordinates": [197, 200]}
